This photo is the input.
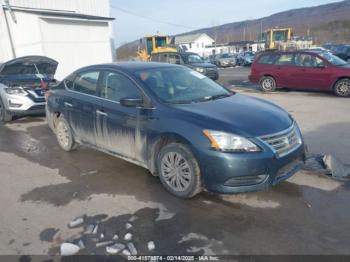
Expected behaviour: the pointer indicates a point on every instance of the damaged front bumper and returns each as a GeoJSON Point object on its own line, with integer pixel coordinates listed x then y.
{"type": "Point", "coordinates": [237, 173]}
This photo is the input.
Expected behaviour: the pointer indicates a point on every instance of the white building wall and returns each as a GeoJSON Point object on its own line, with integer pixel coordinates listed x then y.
{"type": "Point", "coordinates": [72, 42]}
{"type": "Point", "coordinates": [5, 46]}
{"type": "Point", "coordinates": [199, 45]}
{"type": "Point", "coordinates": [75, 44]}
{"type": "Point", "coordinates": [90, 7]}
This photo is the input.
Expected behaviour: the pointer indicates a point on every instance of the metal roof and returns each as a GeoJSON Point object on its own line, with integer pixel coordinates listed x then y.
{"type": "Point", "coordinates": [58, 13]}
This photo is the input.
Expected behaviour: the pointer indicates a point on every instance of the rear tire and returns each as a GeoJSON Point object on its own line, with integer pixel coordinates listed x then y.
{"type": "Point", "coordinates": [342, 87]}
{"type": "Point", "coordinates": [268, 84]}
{"type": "Point", "coordinates": [179, 170]}
{"type": "Point", "coordinates": [4, 115]}
{"type": "Point", "coordinates": [64, 135]}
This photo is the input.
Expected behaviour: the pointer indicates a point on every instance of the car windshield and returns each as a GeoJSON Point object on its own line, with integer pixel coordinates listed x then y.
{"type": "Point", "coordinates": [181, 85]}
{"type": "Point", "coordinates": [333, 59]}
{"type": "Point", "coordinates": [224, 56]}
{"type": "Point", "coordinates": [192, 59]}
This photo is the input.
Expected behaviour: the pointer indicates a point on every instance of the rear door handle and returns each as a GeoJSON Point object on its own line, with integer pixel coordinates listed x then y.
{"type": "Point", "coordinates": [68, 104]}
{"type": "Point", "coordinates": [102, 113]}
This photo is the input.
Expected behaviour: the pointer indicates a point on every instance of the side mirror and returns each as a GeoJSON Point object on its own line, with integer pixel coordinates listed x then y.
{"type": "Point", "coordinates": [131, 101]}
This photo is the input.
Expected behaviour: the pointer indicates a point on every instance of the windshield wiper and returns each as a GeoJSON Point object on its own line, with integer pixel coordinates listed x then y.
{"type": "Point", "coordinates": [214, 97]}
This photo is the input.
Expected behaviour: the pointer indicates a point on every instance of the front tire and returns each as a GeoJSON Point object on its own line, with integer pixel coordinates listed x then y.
{"type": "Point", "coordinates": [64, 135]}
{"type": "Point", "coordinates": [4, 115]}
{"type": "Point", "coordinates": [268, 84]}
{"type": "Point", "coordinates": [179, 170]}
{"type": "Point", "coordinates": [342, 87]}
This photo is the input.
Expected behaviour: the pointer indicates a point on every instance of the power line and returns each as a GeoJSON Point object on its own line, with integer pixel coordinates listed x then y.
{"type": "Point", "coordinates": [149, 18]}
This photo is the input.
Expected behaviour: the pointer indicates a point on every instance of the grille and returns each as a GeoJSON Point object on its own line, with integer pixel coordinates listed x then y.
{"type": "Point", "coordinates": [284, 142]}
{"type": "Point", "coordinates": [36, 95]}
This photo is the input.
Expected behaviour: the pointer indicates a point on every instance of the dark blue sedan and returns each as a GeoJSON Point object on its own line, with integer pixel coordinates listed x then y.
{"type": "Point", "coordinates": [187, 129]}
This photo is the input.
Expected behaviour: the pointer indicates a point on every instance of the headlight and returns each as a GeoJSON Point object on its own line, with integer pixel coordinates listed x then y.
{"type": "Point", "coordinates": [229, 142]}
{"type": "Point", "coordinates": [200, 69]}
{"type": "Point", "coordinates": [15, 91]}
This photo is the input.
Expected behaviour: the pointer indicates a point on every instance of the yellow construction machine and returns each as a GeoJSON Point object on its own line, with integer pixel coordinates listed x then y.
{"type": "Point", "coordinates": [153, 45]}
{"type": "Point", "coordinates": [277, 38]}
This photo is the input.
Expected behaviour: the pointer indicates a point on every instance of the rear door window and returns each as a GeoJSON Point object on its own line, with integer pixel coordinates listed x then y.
{"type": "Point", "coordinates": [269, 59]}
{"type": "Point", "coordinates": [286, 59]}
{"type": "Point", "coordinates": [86, 82]}
{"type": "Point", "coordinates": [115, 86]}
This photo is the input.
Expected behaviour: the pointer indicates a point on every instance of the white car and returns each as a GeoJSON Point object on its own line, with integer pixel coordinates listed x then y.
{"type": "Point", "coordinates": [22, 86]}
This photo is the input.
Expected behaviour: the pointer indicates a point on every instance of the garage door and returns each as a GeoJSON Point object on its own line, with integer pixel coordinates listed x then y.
{"type": "Point", "coordinates": [75, 43]}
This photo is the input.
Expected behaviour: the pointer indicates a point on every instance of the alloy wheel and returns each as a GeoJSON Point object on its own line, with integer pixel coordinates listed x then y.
{"type": "Point", "coordinates": [268, 84]}
{"type": "Point", "coordinates": [176, 171]}
{"type": "Point", "coordinates": [343, 88]}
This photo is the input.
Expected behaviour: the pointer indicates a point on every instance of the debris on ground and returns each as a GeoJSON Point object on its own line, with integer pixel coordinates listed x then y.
{"type": "Point", "coordinates": [96, 236]}
{"type": "Point", "coordinates": [308, 205]}
{"type": "Point", "coordinates": [69, 249]}
{"type": "Point", "coordinates": [335, 167]}
{"type": "Point", "coordinates": [128, 237]}
{"type": "Point", "coordinates": [87, 173]}
{"type": "Point", "coordinates": [314, 163]}
{"type": "Point", "coordinates": [133, 218]}
{"type": "Point", "coordinates": [102, 235]}
{"type": "Point", "coordinates": [76, 222]}
{"type": "Point", "coordinates": [126, 252]}
{"type": "Point", "coordinates": [89, 229]}
{"type": "Point", "coordinates": [81, 244]}
{"type": "Point", "coordinates": [104, 243]}
{"type": "Point", "coordinates": [115, 249]}
{"type": "Point", "coordinates": [94, 231]}
{"type": "Point", "coordinates": [132, 248]}
{"type": "Point", "coordinates": [151, 246]}
{"type": "Point", "coordinates": [327, 165]}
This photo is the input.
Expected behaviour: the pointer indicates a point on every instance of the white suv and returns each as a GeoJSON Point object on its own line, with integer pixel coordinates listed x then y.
{"type": "Point", "coordinates": [22, 86]}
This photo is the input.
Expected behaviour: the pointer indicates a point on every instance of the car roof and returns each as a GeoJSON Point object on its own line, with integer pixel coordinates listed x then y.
{"type": "Point", "coordinates": [132, 66]}
{"type": "Point", "coordinates": [295, 52]}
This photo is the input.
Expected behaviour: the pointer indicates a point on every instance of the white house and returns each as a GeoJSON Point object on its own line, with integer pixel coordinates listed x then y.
{"type": "Point", "coordinates": [73, 32]}
{"type": "Point", "coordinates": [195, 43]}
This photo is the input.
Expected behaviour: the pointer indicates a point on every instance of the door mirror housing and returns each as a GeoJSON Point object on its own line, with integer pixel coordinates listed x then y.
{"type": "Point", "coordinates": [131, 101]}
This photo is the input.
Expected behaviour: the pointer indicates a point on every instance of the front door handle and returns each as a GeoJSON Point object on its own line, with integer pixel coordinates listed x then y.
{"type": "Point", "coordinates": [68, 104]}
{"type": "Point", "coordinates": [102, 113]}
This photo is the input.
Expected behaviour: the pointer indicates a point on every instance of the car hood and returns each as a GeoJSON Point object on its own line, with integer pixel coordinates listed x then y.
{"type": "Point", "coordinates": [25, 66]}
{"type": "Point", "coordinates": [238, 114]}
{"type": "Point", "coordinates": [346, 67]}
{"type": "Point", "coordinates": [204, 65]}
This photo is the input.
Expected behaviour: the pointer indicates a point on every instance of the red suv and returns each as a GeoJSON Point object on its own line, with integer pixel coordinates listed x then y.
{"type": "Point", "coordinates": [307, 70]}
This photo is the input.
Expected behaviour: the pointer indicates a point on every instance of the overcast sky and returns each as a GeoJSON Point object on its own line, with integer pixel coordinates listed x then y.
{"type": "Point", "coordinates": [185, 15]}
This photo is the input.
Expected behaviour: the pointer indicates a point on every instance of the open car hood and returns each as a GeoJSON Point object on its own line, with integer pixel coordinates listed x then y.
{"type": "Point", "coordinates": [26, 66]}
